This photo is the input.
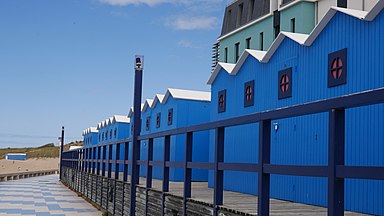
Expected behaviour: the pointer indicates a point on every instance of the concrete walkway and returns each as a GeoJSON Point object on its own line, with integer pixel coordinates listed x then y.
{"type": "Point", "coordinates": [42, 196]}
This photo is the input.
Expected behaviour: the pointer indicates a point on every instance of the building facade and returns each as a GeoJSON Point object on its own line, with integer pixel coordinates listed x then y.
{"type": "Point", "coordinates": [110, 130]}
{"type": "Point", "coordinates": [15, 156]}
{"type": "Point", "coordinates": [176, 108]}
{"type": "Point", "coordinates": [254, 24]}
{"type": "Point", "coordinates": [90, 136]}
{"type": "Point", "coordinates": [341, 56]}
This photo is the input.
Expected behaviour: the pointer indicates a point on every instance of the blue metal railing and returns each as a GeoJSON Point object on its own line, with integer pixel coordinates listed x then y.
{"type": "Point", "coordinates": [335, 171]}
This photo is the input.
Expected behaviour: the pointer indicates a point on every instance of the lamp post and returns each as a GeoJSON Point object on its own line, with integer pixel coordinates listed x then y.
{"type": "Point", "coordinates": [139, 66]}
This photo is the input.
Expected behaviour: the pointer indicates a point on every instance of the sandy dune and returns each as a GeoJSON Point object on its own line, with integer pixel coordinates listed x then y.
{"type": "Point", "coordinates": [8, 166]}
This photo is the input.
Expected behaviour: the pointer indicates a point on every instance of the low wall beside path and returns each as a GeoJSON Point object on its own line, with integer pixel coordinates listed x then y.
{"type": "Point", "coordinates": [22, 175]}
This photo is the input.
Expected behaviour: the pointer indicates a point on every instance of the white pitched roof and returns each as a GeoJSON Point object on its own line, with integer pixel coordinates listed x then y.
{"type": "Point", "coordinates": [130, 112]}
{"type": "Point", "coordinates": [187, 95]}
{"type": "Point", "coordinates": [105, 123]}
{"type": "Point", "coordinates": [297, 37]}
{"type": "Point", "coordinates": [158, 98]}
{"type": "Point", "coordinates": [93, 130]}
{"type": "Point", "coordinates": [375, 11]}
{"type": "Point", "coordinates": [119, 118]}
{"type": "Point", "coordinates": [302, 39]}
{"type": "Point", "coordinates": [221, 65]}
{"type": "Point", "coordinates": [148, 103]}
{"type": "Point", "coordinates": [89, 130]}
{"type": "Point", "coordinates": [110, 121]}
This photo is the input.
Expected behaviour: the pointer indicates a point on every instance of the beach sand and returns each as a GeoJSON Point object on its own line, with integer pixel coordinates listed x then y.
{"type": "Point", "coordinates": [9, 166]}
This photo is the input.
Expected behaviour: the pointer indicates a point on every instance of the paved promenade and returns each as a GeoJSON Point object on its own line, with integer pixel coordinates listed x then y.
{"type": "Point", "coordinates": [42, 196]}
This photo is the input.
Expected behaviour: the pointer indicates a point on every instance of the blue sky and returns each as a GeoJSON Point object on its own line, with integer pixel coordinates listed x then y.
{"type": "Point", "coordinates": [71, 62]}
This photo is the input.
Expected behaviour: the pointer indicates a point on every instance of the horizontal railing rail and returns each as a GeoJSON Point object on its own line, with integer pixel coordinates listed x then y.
{"type": "Point", "coordinates": [335, 171]}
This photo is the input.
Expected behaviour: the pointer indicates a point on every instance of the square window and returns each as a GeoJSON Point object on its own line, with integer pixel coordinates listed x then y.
{"type": "Point", "coordinates": [342, 3]}
{"type": "Point", "coordinates": [222, 101]}
{"type": "Point", "coordinates": [249, 93]}
{"type": "Point", "coordinates": [158, 120]}
{"type": "Point", "coordinates": [147, 124]}
{"type": "Point", "coordinates": [337, 68]}
{"type": "Point", "coordinates": [170, 116]}
{"type": "Point", "coordinates": [284, 83]}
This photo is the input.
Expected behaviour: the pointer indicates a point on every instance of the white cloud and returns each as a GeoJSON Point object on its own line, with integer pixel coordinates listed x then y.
{"type": "Point", "coordinates": [190, 4]}
{"type": "Point", "coordinates": [137, 2]}
{"type": "Point", "coordinates": [192, 23]}
{"type": "Point", "coordinates": [193, 14]}
{"type": "Point", "coordinates": [187, 44]}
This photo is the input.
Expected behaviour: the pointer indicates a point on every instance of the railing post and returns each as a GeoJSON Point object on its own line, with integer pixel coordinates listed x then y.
{"type": "Point", "coordinates": [71, 157]}
{"type": "Point", "coordinates": [136, 131]}
{"type": "Point", "coordinates": [88, 165]}
{"type": "Point", "coordinates": [149, 167]}
{"type": "Point", "coordinates": [126, 157]}
{"type": "Point", "coordinates": [86, 162]}
{"type": "Point", "coordinates": [93, 158]}
{"type": "Point", "coordinates": [78, 170]}
{"type": "Point", "coordinates": [117, 167]}
{"type": "Point", "coordinates": [218, 174]}
{"type": "Point", "coordinates": [98, 160]}
{"type": "Point", "coordinates": [149, 171]}
{"type": "Point", "coordinates": [103, 164]}
{"type": "Point", "coordinates": [84, 168]}
{"type": "Point", "coordinates": [79, 159]}
{"type": "Point", "coordinates": [103, 173]}
{"type": "Point", "coordinates": [264, 158]}
{"type": "Point", "coordinates": [187, 171]}
{"type": "Point", "coordinates": [336, 148]}
{"type": "Point", "coordinates": [83, 163]}
{"type": "Point", "coordinates": [83, 156]}
{"type": "Point", "coordinates": [89, 156]}
{"type": "Point", "coordinates": [110, 147]}
{"type": "Point", "coordinates": [92, 170]}
{"type": "Point", "coordinates": [167, 146]}
{"type": "Point", "coordinates": [74, 162]}
{"type": "Point", "coordinates": [61, 152]}
{"type": "Point", "coordinates": [125, 171]}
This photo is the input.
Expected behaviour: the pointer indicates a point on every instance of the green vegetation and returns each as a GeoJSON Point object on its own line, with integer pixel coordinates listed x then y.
{"type": "Point", "coordinates": [45, 151]}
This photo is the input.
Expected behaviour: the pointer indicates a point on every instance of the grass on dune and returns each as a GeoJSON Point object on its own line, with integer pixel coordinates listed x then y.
{"type": "Point", "coordinates": [44, 151]}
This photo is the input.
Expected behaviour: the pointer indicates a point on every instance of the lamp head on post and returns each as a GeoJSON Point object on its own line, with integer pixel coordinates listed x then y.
{"type": "Point", "coordinates": [139, 62]}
